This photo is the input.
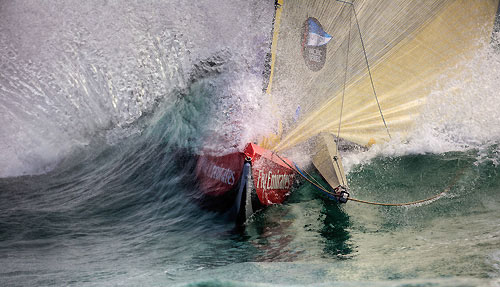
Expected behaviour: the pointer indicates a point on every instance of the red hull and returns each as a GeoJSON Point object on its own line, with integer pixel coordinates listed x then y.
{"type": "Point", "coordinates": [272, 178]}
{"type": "Point", "coordinates": [219, 176]}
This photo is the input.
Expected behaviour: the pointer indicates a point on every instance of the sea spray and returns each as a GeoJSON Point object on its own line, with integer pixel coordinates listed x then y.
{"type": "Point", "coordinates": [72, 72]}
{"type": "Point", "coordinates": [461, 113]}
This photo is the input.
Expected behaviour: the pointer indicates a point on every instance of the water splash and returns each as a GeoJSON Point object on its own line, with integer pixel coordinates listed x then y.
{"type": "Point", "coordinates": [461, 113]}
{"type": "Point", "coordinates": [72, 72]}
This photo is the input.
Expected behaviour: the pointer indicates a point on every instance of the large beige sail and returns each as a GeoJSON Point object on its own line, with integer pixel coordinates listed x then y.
{"type": "Point", "coordinates": [410, 46]}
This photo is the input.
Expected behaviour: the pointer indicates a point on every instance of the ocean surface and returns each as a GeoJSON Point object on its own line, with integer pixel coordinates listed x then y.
{"type": "Point", "coordinates": [104, 105]}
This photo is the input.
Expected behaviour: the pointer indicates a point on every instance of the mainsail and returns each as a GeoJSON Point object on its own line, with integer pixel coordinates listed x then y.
{"type": "Point", "coordinates": [409, 45]}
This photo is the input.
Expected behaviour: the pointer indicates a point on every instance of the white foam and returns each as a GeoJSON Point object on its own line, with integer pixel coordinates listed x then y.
{"type": "Point", "coordinates": [460, 114]}
{"type": "Point", "coordinates": [70, 77]}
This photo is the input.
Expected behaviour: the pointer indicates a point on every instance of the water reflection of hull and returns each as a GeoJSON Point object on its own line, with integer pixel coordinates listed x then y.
{"type": "Point", "coordinates": [243, 182]}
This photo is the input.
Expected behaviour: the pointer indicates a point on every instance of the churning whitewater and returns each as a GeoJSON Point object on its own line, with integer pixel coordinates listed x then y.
{"type": "Point", "coordinates": [105, 105]}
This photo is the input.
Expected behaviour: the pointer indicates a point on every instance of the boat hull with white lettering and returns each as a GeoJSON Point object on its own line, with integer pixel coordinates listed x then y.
{"type": "Point", "coordinates": [241, 183]}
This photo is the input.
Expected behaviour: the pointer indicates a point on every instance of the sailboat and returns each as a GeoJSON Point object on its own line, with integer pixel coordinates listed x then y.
{"type": "Point", "coordinates": [354, 71]}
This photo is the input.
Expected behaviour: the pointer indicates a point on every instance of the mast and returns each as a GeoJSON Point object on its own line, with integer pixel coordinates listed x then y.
{"type": "Point", "coordinates": [273, 139]}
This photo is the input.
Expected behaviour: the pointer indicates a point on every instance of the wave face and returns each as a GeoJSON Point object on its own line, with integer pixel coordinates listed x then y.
{"type": "Point", "coordinates": [104, 106]}
{"type": "Point", "coordinates": [70, 71]}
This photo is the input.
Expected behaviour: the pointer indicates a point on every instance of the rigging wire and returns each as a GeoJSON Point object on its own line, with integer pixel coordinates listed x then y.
{"type": "Point", "coordinates": [335, 158]}
{"type": "Point", "coordinates": [345, 80]}
{"type": "Point", "coordinates": [367, 65]}
{"type": "Point", "coordinates": [316, 184]}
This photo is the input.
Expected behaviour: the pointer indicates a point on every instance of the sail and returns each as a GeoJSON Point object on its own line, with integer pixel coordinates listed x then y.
{"type": "Point", "coordinates": [328, 162]}
{"type": "Point", "coordinates": [319, 66]}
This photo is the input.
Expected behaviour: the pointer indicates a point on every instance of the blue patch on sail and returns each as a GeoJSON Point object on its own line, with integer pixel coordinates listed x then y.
{"type": "Point", "coordinates": [316, 36]}
{"type": "Point", "coordinates": [297, 114]}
